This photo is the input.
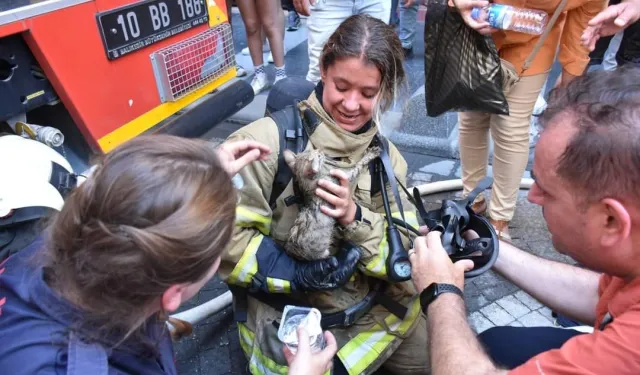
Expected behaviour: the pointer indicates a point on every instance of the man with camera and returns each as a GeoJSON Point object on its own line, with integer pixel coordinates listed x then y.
{"type": "Point", "coordinates": [586, 172]}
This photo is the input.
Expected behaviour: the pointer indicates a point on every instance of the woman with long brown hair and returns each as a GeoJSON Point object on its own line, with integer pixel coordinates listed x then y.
{"type": "Point", "coordinates": [142, 235]}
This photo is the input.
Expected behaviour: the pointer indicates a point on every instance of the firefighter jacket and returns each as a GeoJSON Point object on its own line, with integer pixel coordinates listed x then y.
{"type": "Point", "coordinates": [364, 345]}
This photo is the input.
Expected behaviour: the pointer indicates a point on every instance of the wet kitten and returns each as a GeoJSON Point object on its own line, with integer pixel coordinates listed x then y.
{"type": "Point", "coordinates": [312, 233]}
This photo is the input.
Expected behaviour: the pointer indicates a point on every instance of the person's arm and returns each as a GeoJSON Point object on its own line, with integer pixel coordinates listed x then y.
{"type": "Point", "coordinates": [567, 289]}
{"type": "Point", "coordinates": [574, 56]}
{"type": "Point", "coordinates": [367, 228]}
{"type": "Point", "coordinates": [610, 21]}
{"type": "Point", "coordinates": [453, 346]}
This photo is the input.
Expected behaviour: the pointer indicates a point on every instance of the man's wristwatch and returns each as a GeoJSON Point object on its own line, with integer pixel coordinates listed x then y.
{"type": "Point", "coordinates": [430, 293]}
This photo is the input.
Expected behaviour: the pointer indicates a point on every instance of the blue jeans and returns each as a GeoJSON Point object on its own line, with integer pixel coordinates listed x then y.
{"type": "Point", "coordinates": [511, 347]}
{"type": "Point", "coordinates": [408, 21]}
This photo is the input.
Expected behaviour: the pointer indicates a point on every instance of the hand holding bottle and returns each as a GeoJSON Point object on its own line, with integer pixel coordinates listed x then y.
{"type": "Point", "coordinates": [465, 8]}
{"type": "Point", "coordinates": [507, 17]}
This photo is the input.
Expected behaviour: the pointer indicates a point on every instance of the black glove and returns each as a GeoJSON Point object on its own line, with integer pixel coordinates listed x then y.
{"type": "Point", "coordinates": [330, 273]}
{"type": "Point", "coordinates": [323, 274]}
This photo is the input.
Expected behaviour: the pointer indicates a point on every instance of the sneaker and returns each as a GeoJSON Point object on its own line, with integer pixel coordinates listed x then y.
{"type": "Point", "coordinates": [259, 83]}
{"type": "Point", "coordinates": [240, 71]}
{"type": "Point", "coordinates": [293, 21]}
{"type": "Point", "coordinates": [279, 78]}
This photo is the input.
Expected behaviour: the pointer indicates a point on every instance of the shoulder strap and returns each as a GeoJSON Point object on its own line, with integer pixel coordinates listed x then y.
{"type": "Point", "coordinates": [543, 37]}
{"type": "Point", "coordinates": [86, 358]}
{"type": "Point", "coordinates": [388, 170]}
{"type": "Point", "coordinates": [292, 137]}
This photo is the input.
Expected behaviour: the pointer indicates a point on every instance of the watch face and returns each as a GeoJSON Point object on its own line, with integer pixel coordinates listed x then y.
{"type": "Point", "coordinates": [402, 269]}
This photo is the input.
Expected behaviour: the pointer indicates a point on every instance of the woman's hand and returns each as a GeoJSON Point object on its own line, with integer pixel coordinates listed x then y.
{"type": "Point", "coordinates": [236, 155]}
{"type": "Point", "coordinates": [465, 7]}
{"type": "Point", "coordinates": [306, 363]}
{"type": "Point", "coordinates": [339, 196]}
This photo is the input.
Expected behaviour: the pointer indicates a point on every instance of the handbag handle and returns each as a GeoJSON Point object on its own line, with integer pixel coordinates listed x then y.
{"type": "Point", "coordinates": [543, 37]}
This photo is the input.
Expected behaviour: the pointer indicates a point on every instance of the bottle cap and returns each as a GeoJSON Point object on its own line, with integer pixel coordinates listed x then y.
{"type": "Point", "coordinates": [475, 13]}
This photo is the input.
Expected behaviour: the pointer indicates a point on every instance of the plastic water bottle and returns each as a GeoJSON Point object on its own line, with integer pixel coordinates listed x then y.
{"type": "Point", "coordinates": [507, 17]}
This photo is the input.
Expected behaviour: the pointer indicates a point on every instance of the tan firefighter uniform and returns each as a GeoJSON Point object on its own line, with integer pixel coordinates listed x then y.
{"type": "Point", "coordinates": [368, 343]}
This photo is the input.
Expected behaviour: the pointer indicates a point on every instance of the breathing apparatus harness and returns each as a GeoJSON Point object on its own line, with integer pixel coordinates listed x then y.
{"type": "Point", "coordinates": [453, 218]}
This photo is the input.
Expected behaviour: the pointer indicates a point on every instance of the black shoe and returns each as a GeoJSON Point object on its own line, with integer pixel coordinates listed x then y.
{"type": "Point", "coordinates": [408, 52]}
{"type": "Point", "coordinates": [293, 21]}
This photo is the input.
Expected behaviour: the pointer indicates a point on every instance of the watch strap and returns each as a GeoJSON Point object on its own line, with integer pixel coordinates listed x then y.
{"type": "Point", "coordinates": [430, 293]}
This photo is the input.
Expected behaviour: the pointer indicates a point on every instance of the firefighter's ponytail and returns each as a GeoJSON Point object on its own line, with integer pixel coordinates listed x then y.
{"type": "Point", "coordinates": [156, 212]}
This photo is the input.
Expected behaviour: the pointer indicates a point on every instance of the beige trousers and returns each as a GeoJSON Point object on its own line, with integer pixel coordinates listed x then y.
{"type": "Point", "coordinates": [511, 144]}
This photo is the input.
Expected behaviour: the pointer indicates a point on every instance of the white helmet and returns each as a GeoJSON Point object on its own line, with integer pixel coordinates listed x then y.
{"type": "Point", "coordinates": [32, 175]}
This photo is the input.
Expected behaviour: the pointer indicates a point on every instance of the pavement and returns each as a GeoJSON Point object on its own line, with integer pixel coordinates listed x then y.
{"type": "Point", "coordinates": [428, 145]}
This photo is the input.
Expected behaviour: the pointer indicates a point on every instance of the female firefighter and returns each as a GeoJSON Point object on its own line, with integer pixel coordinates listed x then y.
{"type": "Point", "coordinates": [374, 320]}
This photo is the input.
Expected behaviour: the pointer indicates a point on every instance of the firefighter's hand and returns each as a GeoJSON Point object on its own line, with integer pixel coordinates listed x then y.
{"type": "Point", "coordinates": [611, 20]}
{"type": "Point", "coordinates": [339, 196]}
{"type": "Point", "coordinates": [236, 155]}
{"type": "Point", "coordinates": [329, 273]}
{"type": "Point", "coordinates": [306, 363]}
{"type": "Point", "coordinates": [430, 263]}
{"type": "Point", "coordinates": [302, 6]}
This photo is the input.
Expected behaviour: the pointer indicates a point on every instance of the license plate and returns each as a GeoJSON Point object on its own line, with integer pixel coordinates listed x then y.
{"type": "Point", "coordinates": [133, 27]}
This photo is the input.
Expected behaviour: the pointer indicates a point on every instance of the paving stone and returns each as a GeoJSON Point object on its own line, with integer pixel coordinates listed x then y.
{"type": "Point", "coordinates": [189, 366]}
{"type": "Point", "coordinates": [473, 297]}
{"type": "Point", "coordinates": [186, 348]}
{"type": "Point", "coordinates": [442, 168]}
{"type": "Point", "coordinates": [216, 361]}
{"type": "Point", "coordinates": [532, 230]}
{"type": "Point", "coordinates": [215, 284]}
{"type": "Point", "coordinates": [535, 319]}
{"type": "Point", "coordinates": [497, 315]}
{"type": "Point", "coordinates": [528, 300]}
{"type": "Point", "coordinates": [213, 335]}
{"type": "Point", "coordinates": [514, 307]}
{"type": "Point", "coordinates": [547, 313]}
{"type": "Point", "coordinates": [516, 323]}
{"type": "Point", "coordinates": [421, 178]}
{"type": "Point", "coordinates": [479, 323]}
{"type": "Point", "coordinates": [545, 250]}
{"type": "Point", "coordinates": [494, 287]}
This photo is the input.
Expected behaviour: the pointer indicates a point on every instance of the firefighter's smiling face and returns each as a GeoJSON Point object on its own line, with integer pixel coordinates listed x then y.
{"type": "Point", "coordinates": [351, 87]}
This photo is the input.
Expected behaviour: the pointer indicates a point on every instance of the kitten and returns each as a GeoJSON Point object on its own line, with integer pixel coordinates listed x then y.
{"type": "Point", "coordinates": [312, 233]}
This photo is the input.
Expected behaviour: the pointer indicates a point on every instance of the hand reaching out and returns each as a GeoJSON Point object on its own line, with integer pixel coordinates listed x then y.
{"type": "Point", "coordinates": [236, 155]}
{"type": "Point", "coordinates": [611, 20]}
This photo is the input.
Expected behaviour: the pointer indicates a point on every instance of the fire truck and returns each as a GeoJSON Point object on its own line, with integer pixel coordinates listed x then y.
{"type": "Point", "coordinates": [84, 76]}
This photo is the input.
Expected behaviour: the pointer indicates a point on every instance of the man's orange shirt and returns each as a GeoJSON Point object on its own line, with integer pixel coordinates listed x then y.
{"type": "Point", "coordinates": [612, 348]}
{"type": "Point", "coordinates": [564, 37]}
